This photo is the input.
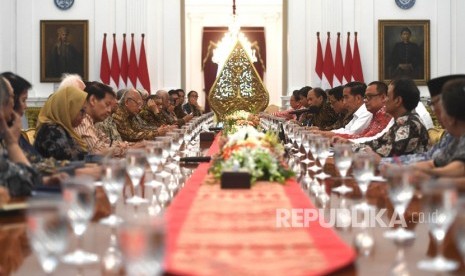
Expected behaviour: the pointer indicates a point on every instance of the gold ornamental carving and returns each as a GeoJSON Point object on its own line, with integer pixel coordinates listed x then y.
{"type": "Point", "coordinates": [238, 86]}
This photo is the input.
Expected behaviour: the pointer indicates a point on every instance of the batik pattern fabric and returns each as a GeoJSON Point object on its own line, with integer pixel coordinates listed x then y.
{"type": "Point", "coordinates": [31, 153]}
{"type": "Point", "coordinates": [408, 135]}
{"type": "Point", "coordinates": [179, 112]}
{"type": "Point", "coordinates": [325, 117]}
{"type": "Point", "coordinates": [52, 140]}
{"type": "Point", "coordinates": [379, 122]}
{"type": "Point", "coordinates": [342, 119]}
{"type": "Point", "coordinates": [108, 127]}
{"type": "Point", "coordinates": [435, 150]}
{"type": "Point", "coordinates": [188, 108]}
{"type": "Point", "coordinates": [18, 178]}
{"type": "Point", "coordinates": [130, 128]}
{"type": "Point", "coordinates": [454, 151]}
{"type": "Point", "coordinates": [97, 141]}
{"type": "Point", "coordinates": [170, 118]}
{"type": "Point", "coordinates": [150, 118]}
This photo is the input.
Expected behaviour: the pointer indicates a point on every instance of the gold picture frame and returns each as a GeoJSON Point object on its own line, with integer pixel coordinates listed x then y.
{"type": "Point", "coordinates": [402, 54]}
{"type": "Point", "coordinates": [64, 48]}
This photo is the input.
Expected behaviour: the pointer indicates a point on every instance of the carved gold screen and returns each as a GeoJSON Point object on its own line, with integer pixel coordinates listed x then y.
{"type": "Point", "coordinates": [238, 86]}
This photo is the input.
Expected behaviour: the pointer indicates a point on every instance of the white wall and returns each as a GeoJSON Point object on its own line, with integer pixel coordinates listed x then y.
{"type": "Point", "coordinates": [447, 37]}
{"type": "Point", "coordinates": [160, 20]}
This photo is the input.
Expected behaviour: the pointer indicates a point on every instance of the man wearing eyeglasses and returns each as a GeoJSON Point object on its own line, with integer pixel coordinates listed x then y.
{"type": "Point", "coordinates": [129, 126]}
{"type": "Point", "coordinates": [375, 97]}
{"type": "Point", "coordinates": [167, 112]}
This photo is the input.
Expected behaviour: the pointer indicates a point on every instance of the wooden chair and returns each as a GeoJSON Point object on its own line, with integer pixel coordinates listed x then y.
{"type": "Point", "coordinates": [29, 134]}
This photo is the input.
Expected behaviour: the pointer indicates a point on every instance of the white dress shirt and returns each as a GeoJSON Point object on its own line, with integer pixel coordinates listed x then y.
{"type": "Point", "coordinates": [425, 117]}
{"type": "Point", "coordinates": [359, 122]}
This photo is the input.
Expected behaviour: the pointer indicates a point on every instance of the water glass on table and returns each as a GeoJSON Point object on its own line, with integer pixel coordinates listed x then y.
{"type": "Point", "coordinates": [135, 168]}
{"type": "Point", "coordinates": [142, 242]}
{"type": "Point", "coordinates": [440, 206]}
{"type": "Point", "coordinates": [113, 179]}
{"type": "Point", "coordinates": [47, 230]}
{"type": "Point", "coordinates": [343, 160]}
{"type": "Point", "coordinates": [79, 198]}
{"type": "Point", "coordinates": [400, 192]}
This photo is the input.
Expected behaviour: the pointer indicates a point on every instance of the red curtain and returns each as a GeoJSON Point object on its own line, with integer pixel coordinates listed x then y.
{"type": "Point", "coordinates": [211, 36]}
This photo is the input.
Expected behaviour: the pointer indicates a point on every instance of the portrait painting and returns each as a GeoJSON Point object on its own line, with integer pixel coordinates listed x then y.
{"type": "Point", "coordinates": [63, 49]}
{"type": "Point", "coordinates": [404, 50]}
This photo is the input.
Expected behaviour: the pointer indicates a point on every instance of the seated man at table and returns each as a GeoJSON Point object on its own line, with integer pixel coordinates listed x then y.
{"type": "Point", "coordinates": [294, 102]}
{"type": "Point", "coordinates": [435, 88]}
{"type": "Point", "coordinates": [353, 94]}
{"type": "Point", "coordinates": [375, 96]}
{"type": "Point", "coordinates": [450, 161]}
{"type": "Point", "coordinates": [151, 113]}
{"type": "Point", "coordinates": [336, 100]}
{"type": "Point", "coordinates": [408, 134]}
{"type": "Point", "coordinates": [303, 118]}
{"type": "Point", "coordinates": [100, 99]}
{"type": "Point", "coordinates": [323, 115]}
{"type": "Point", "coordinates": [167, 112]}
{"type": "Point", "coordinates": [128, 125]}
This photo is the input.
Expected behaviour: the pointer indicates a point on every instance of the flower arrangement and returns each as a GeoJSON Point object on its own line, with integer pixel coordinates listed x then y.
{"type": "Point", "coordinates": [239, 118]}
{"type": "Point", "coordinates": [254, 152]}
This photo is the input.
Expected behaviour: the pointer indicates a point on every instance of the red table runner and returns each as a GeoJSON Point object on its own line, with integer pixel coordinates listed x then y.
{"type": "Point", "coordinates": [233, 232]}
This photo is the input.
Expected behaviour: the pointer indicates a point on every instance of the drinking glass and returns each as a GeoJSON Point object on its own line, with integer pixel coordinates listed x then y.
{"type": "Point", "coordinates": [363, 170]}
{"type": "Point", "coordinates": [308, 139]}
{"type": "Point", "coordinates": [47, 230]}
{"type": "Point", "coordinates": [166, 147]}
{"type": "Point", "coordinates": [343, 161]}
{"type": "Point", "coordinates": [460, 230]}
{"type": "Point", "coordinates": [440, 207]}
{"type": "Point", "coordinates": [114, 176]}
{"type": "Point", "coordinates": [79, 198]}
{"type": "Point", "coordinates": [322, 146]}
{"type": "Point", "coordinates": [154, 153]}
{"type": "Point", "coordinates": [142, 242]}
{"type": "Point", "coordinates": [112, 259]}
{"type": "Point", "coordinates": [135, 167]}
{"type": "Point", "coordinates": [400, 193]}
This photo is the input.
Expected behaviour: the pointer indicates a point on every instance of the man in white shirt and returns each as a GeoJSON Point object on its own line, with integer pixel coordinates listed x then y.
{"type": "Point", "coordinates": [353, 97]}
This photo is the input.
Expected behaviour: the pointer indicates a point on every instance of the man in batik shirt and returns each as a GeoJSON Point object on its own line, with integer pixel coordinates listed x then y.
{"type": "Point", "coordinates": [435, 88]}
{"type": "Point", "coordinates": [178, 101]}
{"type": "Point", "coordinates": [167, 112]}
{"type": "Point", "coordinates": [325, 115]}
{"type": "Point", "coordinates": [108, 125]}
{"type": "Point", "coordinates": [128, 126]}
{"type": "Point", "coordinates": [408, 134]}
{"type": "Point", "coordinates": [336, 100]}
{"type": "Point", "coordinates": [100, 98]}
{"type": "Point", "coordinates": [151, 113]}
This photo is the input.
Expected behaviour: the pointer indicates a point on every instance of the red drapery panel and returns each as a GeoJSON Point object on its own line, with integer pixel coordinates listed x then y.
{"type": "Point", "coordinates": [211, 35]}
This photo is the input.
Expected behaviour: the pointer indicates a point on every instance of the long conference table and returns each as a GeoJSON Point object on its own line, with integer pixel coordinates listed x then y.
{"type": "Point", "coordinates": [210, 231]}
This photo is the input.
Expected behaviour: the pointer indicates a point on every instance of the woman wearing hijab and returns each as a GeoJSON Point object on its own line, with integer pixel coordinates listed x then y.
{"type": "Point", "coordinates": [16, 173]}
{"type": "Point", "coordinates": [55, 136]}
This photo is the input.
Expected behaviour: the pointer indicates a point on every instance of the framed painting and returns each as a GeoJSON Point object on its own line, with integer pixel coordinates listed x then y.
{"type": "Point", "coordinates": [404, 50]}
{"type": "Point", "coordinates": [63, 49]}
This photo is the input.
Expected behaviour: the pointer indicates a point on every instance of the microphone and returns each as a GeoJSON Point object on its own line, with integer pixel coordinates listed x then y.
{"type": "Point", "coordinates": [311, 109]}
{"type": "Point", "coordinates": [195, 159]}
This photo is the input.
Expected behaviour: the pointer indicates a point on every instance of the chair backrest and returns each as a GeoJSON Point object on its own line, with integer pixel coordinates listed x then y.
{"type": "Point", "coordinates": [29, 134]}
{"type": "Point", "coordinates": [435, 135]}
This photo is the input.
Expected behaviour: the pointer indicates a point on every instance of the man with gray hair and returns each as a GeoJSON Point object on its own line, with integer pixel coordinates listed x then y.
{"type": "Point", "coordinates": [127, 122]}
{"type": "Point", "coordinates": [73, 80]}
